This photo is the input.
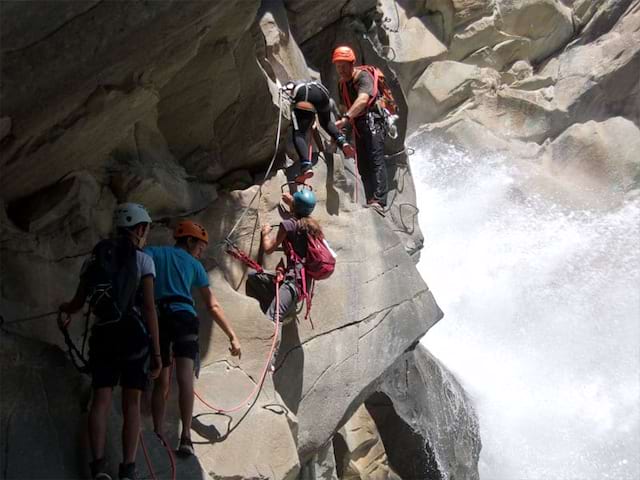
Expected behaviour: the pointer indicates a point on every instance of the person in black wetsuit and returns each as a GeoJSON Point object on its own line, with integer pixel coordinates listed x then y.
{"type": "Point", "coordinates": [309, 98]}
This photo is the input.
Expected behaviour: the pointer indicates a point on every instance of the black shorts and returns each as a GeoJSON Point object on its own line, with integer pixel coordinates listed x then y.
{"type": "Point", "coordinates": [179, 329]}
{"type": "Point", "coordinates": [119, 354]}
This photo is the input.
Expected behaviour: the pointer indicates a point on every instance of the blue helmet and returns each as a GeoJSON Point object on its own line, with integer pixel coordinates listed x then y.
{"type": "Point", "coordinates": [304, 202]}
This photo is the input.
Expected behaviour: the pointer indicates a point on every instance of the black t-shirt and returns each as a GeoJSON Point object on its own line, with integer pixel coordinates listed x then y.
{"type": "Point", "coordinates": [363, 83]}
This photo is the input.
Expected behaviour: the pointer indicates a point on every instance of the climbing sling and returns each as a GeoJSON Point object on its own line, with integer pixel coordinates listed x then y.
{"type": "Point", "coordinates": [76, 355]}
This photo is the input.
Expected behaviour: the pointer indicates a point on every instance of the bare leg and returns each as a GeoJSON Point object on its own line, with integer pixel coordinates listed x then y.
{"type": "Point", "coordinates": [98, 417]}
{"type": "Point", "coordinates": [131, 426]}
{"type": "Point", "coordinates": [184, 375]}
{"type": "Point", "coordinates": [159, 399]}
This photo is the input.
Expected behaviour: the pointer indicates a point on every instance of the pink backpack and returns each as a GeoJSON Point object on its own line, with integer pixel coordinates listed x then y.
{"type": "Point", "coordinates": [319, 264]}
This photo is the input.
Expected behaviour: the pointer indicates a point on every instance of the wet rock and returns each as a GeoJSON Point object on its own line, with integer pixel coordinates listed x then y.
{"type": "Point", "coordinates": [428, 398]}
{"type": "Point", "coordinates": [443, 86]}
{"type": "Point", "coordinates": [597, 156]}
{"type": "Point", "coordinates": [547, 23]}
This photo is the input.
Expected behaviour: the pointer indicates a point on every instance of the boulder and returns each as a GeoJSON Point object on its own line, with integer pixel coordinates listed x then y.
{"type": "Point", "coordinates": [601, 157]}
{"type": "Point", "coordinates": [425, 396]}
{"type": "Point", "coordinates": [530, 116]}
{"type": "Point", "coordinates": [94, 85]}
{"type": "Point", "coordinates": [478, 140]}
{"type": "Point", "coordinates": [547, 23]}
{"type": "Point", "coordinates": [443, 86]}
{"type": "Point", "coordinates": [307, 19]}
{"type": "Point", "coordinates": [360, 453]}
{"type": "Point", "coordinates": [596, 18]}
{"type": "Point", "coordinates": [322, 465]}
{"type": "Point", "coordinates": [143, 170]}
{"type": "Point", "coordinates": [467, 11]}
{"type": "Point", "coordinates": [411, 41]}
{"type": "Point", "coordinates": [283, 55]}
{"type": "Point", "coordinates": [599, 80]}
{"type": "Point", "coordinates": [482, 33]}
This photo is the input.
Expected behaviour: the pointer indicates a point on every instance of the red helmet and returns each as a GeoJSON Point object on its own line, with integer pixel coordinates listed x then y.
{"type": "Point", "coordinates": [187, 228]}
{"type": "Point", "coordinates": [343, 54]}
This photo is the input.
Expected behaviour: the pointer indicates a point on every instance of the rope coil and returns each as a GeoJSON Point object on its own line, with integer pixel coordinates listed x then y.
{"type": "Point", "coordinates": [265, 369]}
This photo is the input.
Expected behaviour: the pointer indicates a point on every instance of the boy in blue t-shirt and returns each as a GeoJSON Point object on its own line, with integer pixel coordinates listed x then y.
{"type": "Point", "coordinates": [178, 272]}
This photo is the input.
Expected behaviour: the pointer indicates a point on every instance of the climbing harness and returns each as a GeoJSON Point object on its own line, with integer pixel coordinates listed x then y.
{"type": "Point", "coordinates": [265, 369]}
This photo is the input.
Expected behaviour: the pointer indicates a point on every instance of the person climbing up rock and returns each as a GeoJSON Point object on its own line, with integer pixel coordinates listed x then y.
{"type": "Point", "coordinates": [309, 98]}
{"type": "Point", "coordinates": [117, 280]}
{"type": "Point", "coordinates": [179, 273]}
{"type": "Point", "coordinates": [293, 234]}
{"type": "Point", "coordinates": [357, 90]}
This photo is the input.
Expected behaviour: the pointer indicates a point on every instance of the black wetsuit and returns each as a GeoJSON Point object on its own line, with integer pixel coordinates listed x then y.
{"type": "Point", "coordinates": [369, 139]}
{"type": "Point", "coordinates": [318, 96]}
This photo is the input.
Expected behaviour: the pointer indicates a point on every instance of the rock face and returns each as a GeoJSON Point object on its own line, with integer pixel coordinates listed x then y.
{"type": "Point", "coordinates": [175, 105]}
{"type": "Point", "coordinates": [544, 82]}
{"type": "Point", "coordinates": [360, 453]}
{"type": "Point", "coordinates": [413, 378]}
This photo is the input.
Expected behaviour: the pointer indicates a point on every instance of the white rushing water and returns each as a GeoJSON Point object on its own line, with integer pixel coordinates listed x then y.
{"type": "Point", "coordinates": [542, 318]}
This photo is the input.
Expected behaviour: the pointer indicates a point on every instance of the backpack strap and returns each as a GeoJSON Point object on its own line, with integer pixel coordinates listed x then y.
{"type": "Point", "coordinates": [305, 292]}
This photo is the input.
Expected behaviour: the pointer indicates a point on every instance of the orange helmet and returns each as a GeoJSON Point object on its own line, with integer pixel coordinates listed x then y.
{"type": "Point", "coordinates": [343, 54]}
{"type": "Point", "coordinates": [187, 228]}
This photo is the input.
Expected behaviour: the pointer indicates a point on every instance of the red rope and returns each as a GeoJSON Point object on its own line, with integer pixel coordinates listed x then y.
{"type": "Point", "coordinates": [147, 457]}
{"type": "Point", "coordinates": [263, 375]}
{"type": "Point", "coordinates": [238, 254]}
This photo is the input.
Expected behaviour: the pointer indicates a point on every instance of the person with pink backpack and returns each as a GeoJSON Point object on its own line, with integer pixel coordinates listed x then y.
{"type": "Point", "coordinates": [309, 258]}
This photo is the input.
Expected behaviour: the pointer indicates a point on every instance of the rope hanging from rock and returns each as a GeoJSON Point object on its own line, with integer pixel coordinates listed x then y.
{"type": "Point", "coordinates": [273, 159]}
{"type": "Point", "coordinates": [265, 369]}
{"type": "Point", "coordinates": [3, 322]}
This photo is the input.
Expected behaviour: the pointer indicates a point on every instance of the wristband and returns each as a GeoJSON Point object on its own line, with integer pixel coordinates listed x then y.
{"type": "Point", "coordinates": [346, 116]}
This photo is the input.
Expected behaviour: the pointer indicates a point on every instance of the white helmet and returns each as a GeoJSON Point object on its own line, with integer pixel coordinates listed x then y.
{"type": "Point", "coordinates": [130, 214]}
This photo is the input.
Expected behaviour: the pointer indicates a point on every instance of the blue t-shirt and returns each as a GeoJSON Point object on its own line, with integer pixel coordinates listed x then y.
{"type": "Point", "coordinates": [177, 273]}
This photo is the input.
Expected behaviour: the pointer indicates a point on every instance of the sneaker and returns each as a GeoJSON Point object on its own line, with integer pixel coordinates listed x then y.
{"type": "Point", "coordinates": [98, 470]}
{"type": "Point", "coordinates": [127, 471]}
{"type": "Point", "coordinates": [186, 447]}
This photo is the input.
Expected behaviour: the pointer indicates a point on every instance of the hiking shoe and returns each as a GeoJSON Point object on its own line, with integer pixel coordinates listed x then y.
{"type": "Point", "coordinates": [186, 447]}
{"type": "Point", "coordinates": [305, 175]}
{"type": "Point", "coordinates": [98, 470]}
{"type": "Point", "coordinates": [127, 471]}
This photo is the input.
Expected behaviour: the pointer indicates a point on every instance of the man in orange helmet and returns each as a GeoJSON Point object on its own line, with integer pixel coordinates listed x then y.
{"type": "Point", "coordinates": [357, 90]}
{"type": "Point", "coordinates": [178, 272]}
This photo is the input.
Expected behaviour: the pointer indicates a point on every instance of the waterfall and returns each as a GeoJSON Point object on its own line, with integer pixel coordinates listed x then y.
{"type": "Point", "coordinates": [542, 317]}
